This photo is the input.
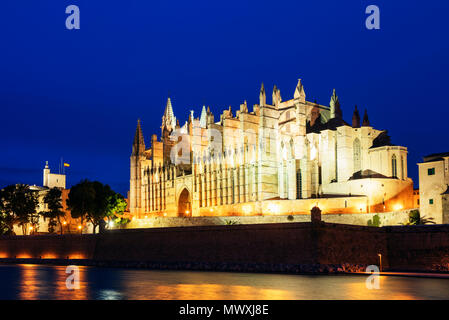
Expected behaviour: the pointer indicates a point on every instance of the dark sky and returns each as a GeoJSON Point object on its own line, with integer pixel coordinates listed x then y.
{"type": "Point", "coordinates": [77, 94]}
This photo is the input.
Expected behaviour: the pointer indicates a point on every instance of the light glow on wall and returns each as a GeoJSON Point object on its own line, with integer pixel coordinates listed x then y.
{"type": "Point", "coordinates": [247, 209]}
{"type": "Point", "coordinates": [273, 208]}
{"type": "Point", "coordinates": [398, 207]}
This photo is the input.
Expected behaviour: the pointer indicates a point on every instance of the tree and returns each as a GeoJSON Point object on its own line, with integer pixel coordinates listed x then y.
{"type": "Point", "coordinates": [91, 200]}
{"type": "Point", "coordinates": [81, 200]}
{"type": "Point", "coordinates": [6, 218]}
{"type": "Point", "coordinates": [103, 196]}
{"type": "Point", "coordinates": [54, 212]}
{"type": "Point", "coordinates": [414, 219]}
{"type": "Point", "coordinates": [375, 222]}
{"type": "Point", "coordinates": [115, 208]}
{"type": "Point", "coordinates": [19, 206]}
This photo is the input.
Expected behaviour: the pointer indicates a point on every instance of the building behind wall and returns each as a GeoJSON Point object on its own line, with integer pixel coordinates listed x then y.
{"type": "Point", "coordinates": [434, 187]}
{"type": "Point", "coordinates": [52, 180]}
{"type": "Point", "coordinates": [283, 157]}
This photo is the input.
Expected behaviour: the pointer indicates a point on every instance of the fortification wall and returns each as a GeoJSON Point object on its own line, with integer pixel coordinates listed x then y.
{"type": "Point", "coordinates": [273, 246]}
{"type": "Point", "coordinates": [361, 219]}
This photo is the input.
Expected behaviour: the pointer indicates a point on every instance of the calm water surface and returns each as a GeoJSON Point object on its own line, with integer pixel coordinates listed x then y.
{"type": "Point", "coordinates": [49, 282]}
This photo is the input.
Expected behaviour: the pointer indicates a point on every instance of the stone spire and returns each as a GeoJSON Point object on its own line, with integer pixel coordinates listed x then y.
{"type": "Point", "coordinates": [262, 96]}
{"type": "Point", "coordinates": [169, 119]}
{"type": "Point", "coordinates": [299, 91]}
{"type": "Point", "coordinates": [276, 96]}
{"type": "Point", "coordinates": [139, 143]}
{"type": "Point", "coordinates": [365, 122]}
{"type": "Point", "coordinates": [335, 106]}
{"type": "Point", "coordinates": [356, 118]}
{"type": "Point", "coordinates": [203, 117]}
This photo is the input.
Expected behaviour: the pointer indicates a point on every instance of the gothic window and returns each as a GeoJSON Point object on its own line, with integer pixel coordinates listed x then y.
{"type": "Point", "coordinates": [298, 185]}
{"type": "Point", "coordinates": [357, 156]}
{"type": "Point", "coordinates": [320, 179]}
{"type": "Point", "coordinates": [394, 168]}
{"type": "Point", "coordinates": [402, 168]}
{"type": "Point", "coordinates": [285, 182]}
{"type": "Point", "coordinates": [336, 160]}
{"type": "Point", "coordinates": [233, 186]}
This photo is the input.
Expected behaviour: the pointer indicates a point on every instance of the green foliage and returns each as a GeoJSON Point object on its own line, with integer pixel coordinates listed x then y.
{"type": "Point", "coordinates": [116, 206]}
{"type": "Point", "coordinates": [18, 205]}
{"type": "Point", "coordinates": [414, 219]}
{"type": "Point", "coordinates": [94, 201]}
{"type": "Point", "coordinates": [54, 213]}
{"type": "Point", "coordinates": [231, 222]}
{"type": "Point", "coordinates": [6, 218]}
{"type": "Point", "coordinates": [121, 222]}
{"type": "Point", "coordinates": [52, 225]}
{"type": "Point", "coordinates": [375, 222]}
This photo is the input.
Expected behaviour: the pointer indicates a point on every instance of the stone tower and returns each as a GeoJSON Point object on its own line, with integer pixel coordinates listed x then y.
{"type": "Point", "coordinates": [137, 155]}
{"type": "Point", "coordinates": [46, 174]}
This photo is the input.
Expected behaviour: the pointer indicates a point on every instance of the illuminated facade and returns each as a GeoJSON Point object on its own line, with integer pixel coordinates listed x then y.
{"type": "Point", "coordinates": [434, 187]}
{"type": "Point", "coordinates": [279, 158]}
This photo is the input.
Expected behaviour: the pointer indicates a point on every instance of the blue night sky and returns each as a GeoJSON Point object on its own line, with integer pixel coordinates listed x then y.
{"type": "Point", "coordinates": [77, 94]}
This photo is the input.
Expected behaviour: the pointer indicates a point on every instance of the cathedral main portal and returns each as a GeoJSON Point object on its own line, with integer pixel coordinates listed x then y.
{"type": "Point", "coordinates": [184, 204]}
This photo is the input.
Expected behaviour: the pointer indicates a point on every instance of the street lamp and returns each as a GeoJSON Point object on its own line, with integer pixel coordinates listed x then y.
{"type": "Point", "coordinates": [380, 261]}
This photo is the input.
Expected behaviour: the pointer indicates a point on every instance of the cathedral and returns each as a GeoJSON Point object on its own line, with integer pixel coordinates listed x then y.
{"type": "Point", "coordinates": [279, 158]}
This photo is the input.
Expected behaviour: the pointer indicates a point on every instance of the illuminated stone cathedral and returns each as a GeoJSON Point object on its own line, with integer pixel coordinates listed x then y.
{"type": "Point", "coordinates": [279, 158]}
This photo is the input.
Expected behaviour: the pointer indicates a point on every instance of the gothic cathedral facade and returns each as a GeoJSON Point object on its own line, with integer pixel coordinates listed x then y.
{"type": "Point", "coordinates": [290, 152]}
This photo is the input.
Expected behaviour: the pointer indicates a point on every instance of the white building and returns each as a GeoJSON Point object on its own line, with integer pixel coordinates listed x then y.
{"type": "Point", "coordinates": [434, 187]}
{"type": "Point", "coordinates": [52, 180]}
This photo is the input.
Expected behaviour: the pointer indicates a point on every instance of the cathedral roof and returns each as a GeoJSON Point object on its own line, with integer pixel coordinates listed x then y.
{"type": "Point", "coordinates": [436, 156]}
{"type": "Point", "coordinates": [319, 126]}
{"type": "Point", "coordinates": [383, 139]}
{"type": "Point", "coordinates": [364, 174]}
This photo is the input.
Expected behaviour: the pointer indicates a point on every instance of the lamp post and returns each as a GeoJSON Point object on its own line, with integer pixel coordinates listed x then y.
{"type": "Point", "coordinates": [380, 261]}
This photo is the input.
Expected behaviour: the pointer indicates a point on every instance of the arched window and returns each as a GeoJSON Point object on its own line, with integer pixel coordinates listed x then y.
{"type": "Point", "coordinates": [298, 184]}
{"type": "Point", "coordinates": [402, 168]}
{"type": "Point", "coordinates": [394, 167]}
{"type": "Point", "coordinates": [357, 156]}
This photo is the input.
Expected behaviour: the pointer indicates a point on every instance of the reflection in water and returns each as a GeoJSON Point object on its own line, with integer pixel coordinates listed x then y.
{"type": "Point", "coordinates": [49, 282]}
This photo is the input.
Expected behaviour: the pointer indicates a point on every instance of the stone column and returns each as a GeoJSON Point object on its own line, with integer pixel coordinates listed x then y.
{"type": "Point", "coordinates": [291, 176]}
{"type": "Point", "coordinates": [230, 191]}
{"type": "Point", "coordinates": [242, 183]}
{"type": "Point", "coordinates": [281, 182]}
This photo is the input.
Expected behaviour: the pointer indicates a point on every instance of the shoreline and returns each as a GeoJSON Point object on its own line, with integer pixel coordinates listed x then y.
{"type": "Point", "coordinates": [292, 269]}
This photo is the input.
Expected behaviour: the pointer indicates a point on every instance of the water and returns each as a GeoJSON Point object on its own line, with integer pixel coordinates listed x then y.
{"type": "Point", "coordinates": [49, 282]}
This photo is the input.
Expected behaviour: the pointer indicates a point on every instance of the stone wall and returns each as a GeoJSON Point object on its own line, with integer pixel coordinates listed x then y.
{"type": "Point", "coordinates": [361, 219]}
{"type": "Point", "coordinates": [274, 246]}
